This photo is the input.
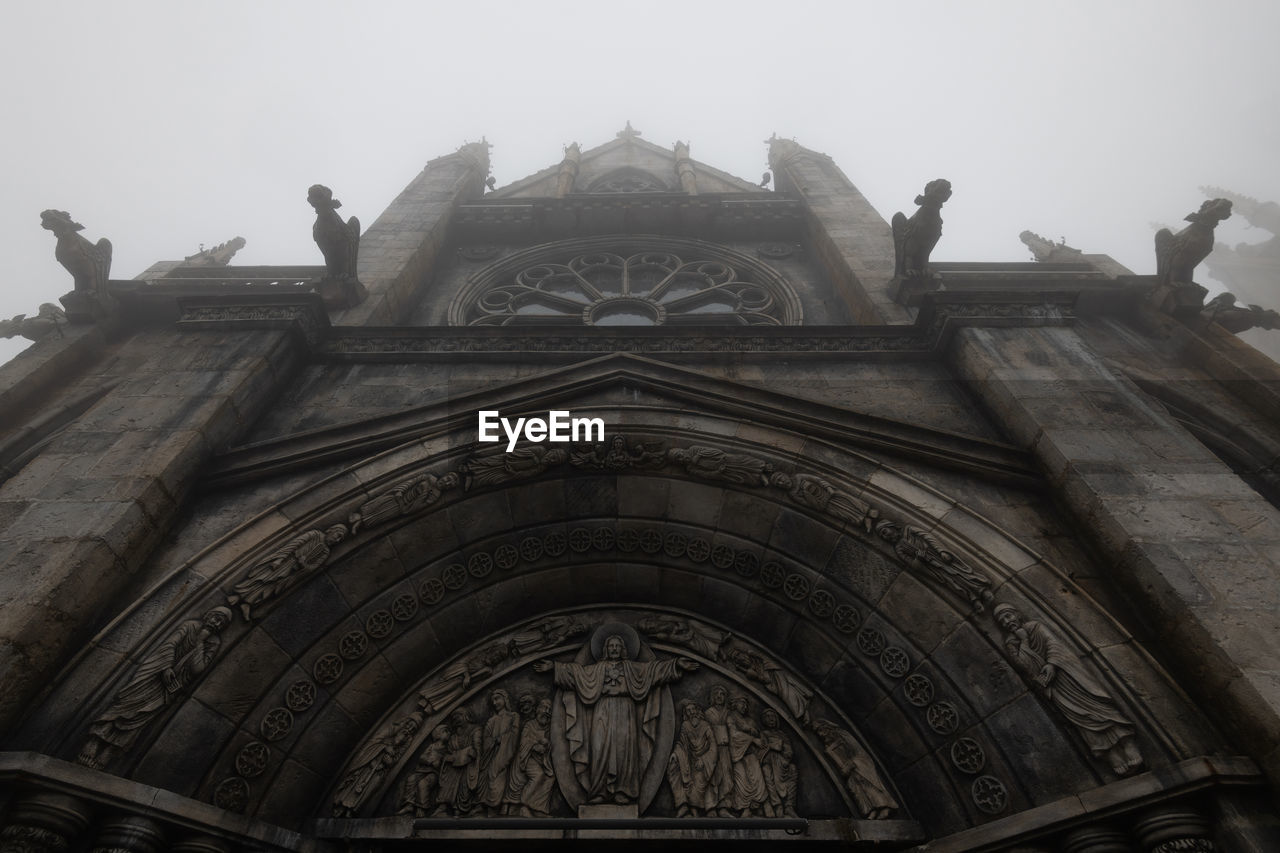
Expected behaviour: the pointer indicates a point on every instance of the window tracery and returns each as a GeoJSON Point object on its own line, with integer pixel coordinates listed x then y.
{"type": "Point", "coordinates": [628, 181]}
{"type": "Point", "coordinates": [625, 287]}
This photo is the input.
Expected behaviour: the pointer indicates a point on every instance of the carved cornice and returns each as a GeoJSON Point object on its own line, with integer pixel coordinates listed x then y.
{"type": "Point", "coordinates": [938, 320]}
{"type": "Point", "coordinates": [304, 313]}
{"type": "Point", "coordinates": [726, 215]}
{"type": "Point", "coordinates": [940, 315]}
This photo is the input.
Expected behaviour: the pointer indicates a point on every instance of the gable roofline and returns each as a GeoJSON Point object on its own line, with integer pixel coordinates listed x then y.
{"type": "Point", "coordinates": [633, 141]}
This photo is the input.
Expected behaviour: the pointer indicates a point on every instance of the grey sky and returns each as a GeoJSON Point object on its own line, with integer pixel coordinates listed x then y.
{"type": "Point", "coordinates": [163, 125]}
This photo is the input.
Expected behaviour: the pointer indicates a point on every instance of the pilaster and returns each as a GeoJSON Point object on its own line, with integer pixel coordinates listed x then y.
{"type": "Point", "coordinates": [1195, 549]}
{"type": "Point", "coordinates": [399, 252]}
{"type": "Point", "coordinates": [852, 240]}
{"type": "Point", "coordinates": [85, 505]}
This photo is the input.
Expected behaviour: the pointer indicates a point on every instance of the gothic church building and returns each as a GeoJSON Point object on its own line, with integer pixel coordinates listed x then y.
{"type": "Point", "coordinates": [875, 552]}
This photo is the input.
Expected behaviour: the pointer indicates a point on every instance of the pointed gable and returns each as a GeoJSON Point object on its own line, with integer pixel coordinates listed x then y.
{"type": "Point", "coordinates": [628, 163]}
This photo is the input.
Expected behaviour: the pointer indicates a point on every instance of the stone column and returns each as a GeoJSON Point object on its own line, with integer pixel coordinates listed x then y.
{"type": "Point", "coordinates": [1173, 830]}
{"type": "Point", "coordinates": [1097, 839]}
{"type": "Point", "coordinates": [43, 822]}
{"type": "Point", "coordinates": [684, 169]}
{"type": "Point", "coordinates": [568, 170]}
{"type": "Point", "coordinates": [129, 834]}
{"type": "Point", "coordinates": [852, 240]}
{"type": "Point", "coordinates": [201, 844]}
{"type": "Point", "coordinates": [399, 252]}
{"type": "Point", "coordinates": [1193, 547]}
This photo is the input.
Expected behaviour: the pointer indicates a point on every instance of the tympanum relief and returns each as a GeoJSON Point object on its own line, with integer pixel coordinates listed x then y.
{"type": "Point", "coordinates": [610, 710]}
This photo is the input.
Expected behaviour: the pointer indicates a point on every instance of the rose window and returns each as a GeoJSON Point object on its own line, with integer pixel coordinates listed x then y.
{"type": "Point", "coordinates": [649, 288]}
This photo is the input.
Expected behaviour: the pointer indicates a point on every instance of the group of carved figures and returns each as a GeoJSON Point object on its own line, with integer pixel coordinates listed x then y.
{"type": "Point", "coordinates": [725, 765]}
{"type": "Point", "coordinates": [722, 762]}
{"type": "Point", "coordinates": [502, 767]}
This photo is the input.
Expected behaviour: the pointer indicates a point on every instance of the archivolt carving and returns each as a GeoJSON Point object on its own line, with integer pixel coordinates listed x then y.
{"type": "Point", "coordinates": [921, 552]}
{"type": "Point", "coordinates": [150, 690]}
{"type": "Point", "coordinates": [1059, 672]}
{"type": "Point", "coordinates": [284, 568]}
{"type": "Point", "coordinates": [163, 674]}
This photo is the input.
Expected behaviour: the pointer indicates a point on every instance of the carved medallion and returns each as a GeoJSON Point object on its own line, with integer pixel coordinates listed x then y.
{"type": "Point", "coordinates": [943, 718]}
{"type": "Point", "coordinates": [989, 794]}
{"type": "Point", "coordinates": [251, 760]}
{"type": "Point", "coordinates": [968, 756]}
{"type": "Point", "coordinates": [301, 695]}
{"type": "Point", "coordinates": [327, 669]}
{"type": "Point", "coordinates": [232, 794]}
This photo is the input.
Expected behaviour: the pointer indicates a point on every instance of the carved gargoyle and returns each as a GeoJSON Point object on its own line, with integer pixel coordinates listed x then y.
{"type": "Point", "coordinates": [1223, 310]}
{"type": "Point", "coordinates": [1046, 251]}
{"type": "Point", "coordinates": [219, 256]}
{"type": "Point", "coordinates": [48, 319]}
{"type": "Point", "coordinates": [914, 238]}
{"type": "Point", "coordinates": [1177, 255]}
{"type": "Point", "coordinates": [339, 242]}
{"type": "Point", "coordinates": [88, 263]}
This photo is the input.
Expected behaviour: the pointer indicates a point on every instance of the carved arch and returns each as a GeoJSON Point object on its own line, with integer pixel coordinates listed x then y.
{"type": "Point", "coordinates": [464, 553]}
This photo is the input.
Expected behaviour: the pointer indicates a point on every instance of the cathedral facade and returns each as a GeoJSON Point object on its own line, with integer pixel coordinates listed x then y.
{"type": "Point", "coordinates": [637, 503]}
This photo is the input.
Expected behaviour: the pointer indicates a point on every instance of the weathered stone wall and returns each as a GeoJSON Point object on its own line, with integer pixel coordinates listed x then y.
{"type": "Point", "coordinates": [78, 520]}
{"type": "Point", "coordinates": [399, 252]}
{"type": "Point", "coordinates": [1189, 543]}
{"type": "Point", "coordinates": [852, 240]}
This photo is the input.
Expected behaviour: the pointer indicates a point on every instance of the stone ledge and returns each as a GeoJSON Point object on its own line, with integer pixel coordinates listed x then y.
{"type": "Point", "coordinates": [1122, 797]}
{"type": "Point", "coordinates": [878, 832]}
{"type": "Point", "coordinates": [34, 771]}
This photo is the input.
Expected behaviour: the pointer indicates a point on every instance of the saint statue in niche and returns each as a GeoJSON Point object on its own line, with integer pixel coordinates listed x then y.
{"type": "Point", "coordinates": [613, 721]}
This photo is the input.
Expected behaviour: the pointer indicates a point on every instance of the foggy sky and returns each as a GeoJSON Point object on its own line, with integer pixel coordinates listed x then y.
{"type": "Point", "coordinates": [165, 125]}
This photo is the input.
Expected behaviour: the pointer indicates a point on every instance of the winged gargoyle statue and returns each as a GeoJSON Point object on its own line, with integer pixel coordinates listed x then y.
{"type": "Point", "coordinates": [1177, 255]}
{"type": "Point", "coordinates": [339, 242]}
{"type": "Point", "coordinates": [914, 238]}
{"type": "Point", "coordinates": [88, 263]}
{"type": "Point", "coordinates": [48, 319]}
{"type": "Point", "coordinates": [1223, 310]}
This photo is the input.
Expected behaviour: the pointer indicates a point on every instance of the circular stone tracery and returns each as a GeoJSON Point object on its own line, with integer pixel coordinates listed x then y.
{"type": "Point", "coordinates": [628, 282]}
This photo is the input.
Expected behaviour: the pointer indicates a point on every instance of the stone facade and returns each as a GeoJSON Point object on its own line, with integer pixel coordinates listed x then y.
{"type": "Point", "coordinates": [986, 560]}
